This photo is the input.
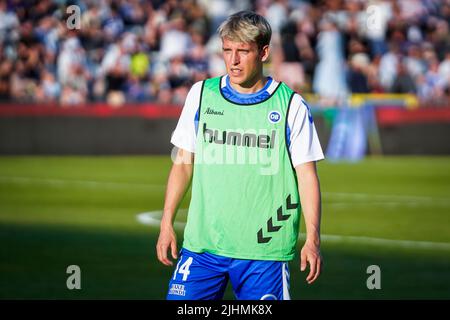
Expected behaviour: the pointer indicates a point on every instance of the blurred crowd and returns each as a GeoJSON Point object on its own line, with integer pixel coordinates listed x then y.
{"type": "Point", "coordinates": [122, 51]}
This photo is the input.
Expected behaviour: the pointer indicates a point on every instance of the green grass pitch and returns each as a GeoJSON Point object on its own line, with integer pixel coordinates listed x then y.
{"type": "Point", "coordinates": [61, 211]}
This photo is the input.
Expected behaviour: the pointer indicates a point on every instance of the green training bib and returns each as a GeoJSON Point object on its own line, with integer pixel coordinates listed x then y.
{"type": "Point", "coordinates": [245, 202]}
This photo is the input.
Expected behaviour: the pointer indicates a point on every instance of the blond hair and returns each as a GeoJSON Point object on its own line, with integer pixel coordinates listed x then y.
{"type": "Point", "coordinates": [246, 26]}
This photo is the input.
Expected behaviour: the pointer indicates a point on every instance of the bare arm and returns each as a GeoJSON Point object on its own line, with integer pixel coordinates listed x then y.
{"type": "Point", "coordinates": [309, 190]}
{"type": "Point", "coordinates": [177, 185]}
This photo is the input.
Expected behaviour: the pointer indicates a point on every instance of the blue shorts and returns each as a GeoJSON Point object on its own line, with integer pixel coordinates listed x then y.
{"type": "Point", "coordinates": [204, 276]}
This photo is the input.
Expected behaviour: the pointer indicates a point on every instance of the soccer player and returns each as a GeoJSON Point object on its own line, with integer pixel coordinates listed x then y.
{"type": "Point", "coordinates": [248, 144]}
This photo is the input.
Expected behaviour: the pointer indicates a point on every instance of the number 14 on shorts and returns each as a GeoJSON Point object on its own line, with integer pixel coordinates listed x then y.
{"type": "Point", "coordinates": [183, 268]}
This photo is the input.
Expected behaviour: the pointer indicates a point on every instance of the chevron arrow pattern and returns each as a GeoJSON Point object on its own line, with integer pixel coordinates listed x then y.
{"type": "Point", "coordinates": [280, 217]}
{"type": "Point", "coordinates": [271, 227]}
{"type": "Point", "coordinates": [261, 238]}
{"type": "Point", "coordinates": [289, 204]}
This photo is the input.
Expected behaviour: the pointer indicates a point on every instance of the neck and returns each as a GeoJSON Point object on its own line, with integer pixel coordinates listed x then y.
{"type": "Point", "coordinates": [251, 86]}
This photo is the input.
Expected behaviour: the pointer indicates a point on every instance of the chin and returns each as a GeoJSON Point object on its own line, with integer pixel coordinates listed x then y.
{"type": "Point", "coordinates": [237, 80]}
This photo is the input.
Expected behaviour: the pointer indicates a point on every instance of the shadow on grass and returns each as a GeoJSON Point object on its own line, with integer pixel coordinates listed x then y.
{"type": "Point", "coordinates": [123, 265]}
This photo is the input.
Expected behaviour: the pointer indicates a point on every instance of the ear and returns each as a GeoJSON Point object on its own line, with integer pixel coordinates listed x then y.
{"type": "Point", "coordinates": [264, 53]}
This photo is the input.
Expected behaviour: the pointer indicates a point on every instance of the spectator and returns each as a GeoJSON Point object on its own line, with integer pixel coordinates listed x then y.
{"type": "Point", "coordinates": [432, 84]}
{"type": "Point", "coordinates": [403, 82]}
{"type": "Point", "coordinates": [50, 89]}
{"type": "Point", "coordinates": [414, 61]}
{"type": "Point", "coordinates": [8, 23]}
{"type": "Point", "coordinates": [175, 41]}
{"type": "Point", "coordinates": [381, 13]}
{"type": "Point", "coordinates": [388, 66]}
{"type": "Point", "coordinates": [72, 73]}
{"type": "Point", "coordinates": [6, 68]}
{"type": "Point", "coordinates": [113, 26]}
{"type": "Point", "coordinates": [357, 74]}
{"type": "Point", "coordinates": [276, 14]}
{"type": "Point", "coordinates": [116, 68]}
{"type": "Point", "coordinates": [329, 77]}
{"type": "Point", "coordinates": [444, 70]}
{"type": "Point", "coordinates": [289, 68]}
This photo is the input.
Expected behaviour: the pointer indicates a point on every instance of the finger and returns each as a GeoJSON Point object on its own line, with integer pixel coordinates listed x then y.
{"type": "Point", "coordinates": [302, 261]}
{"type": "Point", "coordinates": [173, 246]}
{"type": "Point", "coordinates": [158, 252]}
{"type": "Point", "coordinates": [167, 261]}
{"type": "Point", "coordinates": [318, 270]}
{"type": "Point", "coordinates": [164, 259]}
{"type": "Point", "coordinates": [312, 268]}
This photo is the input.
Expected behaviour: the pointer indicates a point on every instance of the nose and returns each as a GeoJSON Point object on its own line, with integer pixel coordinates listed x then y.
{"type": "Point", "coordinates": [235, 59]}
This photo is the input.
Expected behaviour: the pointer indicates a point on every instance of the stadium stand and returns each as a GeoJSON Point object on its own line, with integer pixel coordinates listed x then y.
{"type": "Point", "coordinates": [153, 51]}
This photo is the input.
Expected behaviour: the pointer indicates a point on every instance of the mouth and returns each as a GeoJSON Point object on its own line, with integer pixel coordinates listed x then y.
{"type": "Point", "coordinates": [235, 71]}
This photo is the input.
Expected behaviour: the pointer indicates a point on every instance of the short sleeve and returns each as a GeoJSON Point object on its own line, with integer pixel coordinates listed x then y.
{"type": "Point", "coordinates": [185, 133]}
{"type": "Point", "coordinates": [304, 144]}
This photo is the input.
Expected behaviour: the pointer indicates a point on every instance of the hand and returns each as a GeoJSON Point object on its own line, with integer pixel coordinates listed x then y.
{"type": "Point", "coordinates": [311, 254]}
{"type": "Point", "coordinates": [167, 239]}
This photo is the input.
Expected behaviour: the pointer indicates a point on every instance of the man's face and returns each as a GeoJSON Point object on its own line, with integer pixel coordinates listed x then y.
{"type": "Point", "coordinates": [243, 61]}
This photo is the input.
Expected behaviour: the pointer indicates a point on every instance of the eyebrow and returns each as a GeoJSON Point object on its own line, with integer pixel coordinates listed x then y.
{"type": "Point", "coordinates": [241, 49]}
